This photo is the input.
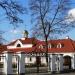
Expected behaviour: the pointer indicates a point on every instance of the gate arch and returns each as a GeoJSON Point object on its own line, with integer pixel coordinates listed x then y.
{"type": "Point", "coordinates": [67, 62]}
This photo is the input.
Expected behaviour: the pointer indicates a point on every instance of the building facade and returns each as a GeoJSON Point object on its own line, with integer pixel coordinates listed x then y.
{"type": "Point", "coordinates": [30, 51]}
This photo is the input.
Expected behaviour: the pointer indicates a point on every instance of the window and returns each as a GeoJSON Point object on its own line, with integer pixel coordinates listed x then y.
{"type": "Point", "coordinates": [57, 58]}
{"type": "Point", "coordinates": [0, 58]}
{"type": "Point", "coordinates": [18, 45]}
{"type": "Point", "coordinates": [44, 46]}
{"type": "Point", "coordinates": [49, 45]}
{"type": "Point", "coordinates": [30, 59]}
{"type": "Point", "coordinates": [41, 46]}
{"type": "Point", "coordinates": [59, 45]}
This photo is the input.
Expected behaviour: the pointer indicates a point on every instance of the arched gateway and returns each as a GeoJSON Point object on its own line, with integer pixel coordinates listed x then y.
{"type": "Point", "coordinates": [67, 62]}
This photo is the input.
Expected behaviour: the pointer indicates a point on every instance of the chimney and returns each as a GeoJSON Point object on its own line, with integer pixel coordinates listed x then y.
{"type": "Point", "coordinates": [22, 38]}
{"type": "Point", "coordinates": [67, 37]}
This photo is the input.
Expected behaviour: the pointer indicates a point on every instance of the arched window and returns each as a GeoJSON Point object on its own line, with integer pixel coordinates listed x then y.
{"type": "Point", "coordinates": [41, 46]}
{"type": "Point", "coordinates": [49, 45]}
{"type": "Point", "coordinates": [59, 45]}
{"type": "Point", "coordinates": [18, 45]}
{"type": "Point", "coordinates": [44, 46]}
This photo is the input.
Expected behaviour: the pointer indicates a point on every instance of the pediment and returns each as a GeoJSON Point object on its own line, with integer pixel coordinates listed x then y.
{"type": "Point", "coordinates": [18, 44]}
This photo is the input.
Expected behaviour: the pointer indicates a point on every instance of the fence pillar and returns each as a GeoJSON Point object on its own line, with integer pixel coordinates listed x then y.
{"type": "Point", "coordinates": [21, 63]}
{"type": "Point", "coordinates": [52, 62]}
{"type": "Point", "coordinates": [8, 63]}
{"type": "Point", "coordinates": [73, 62]}
{"type": "Point", "coordinates": [60, 62]}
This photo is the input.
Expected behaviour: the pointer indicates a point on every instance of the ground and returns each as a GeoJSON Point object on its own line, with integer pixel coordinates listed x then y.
{"type": "Point", "coordinates": [72, 73]}
{"type": "Point", "coordinates": [43, 71]}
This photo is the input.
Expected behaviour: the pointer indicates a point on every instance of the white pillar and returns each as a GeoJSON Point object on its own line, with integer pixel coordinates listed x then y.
{"type": "Point", "coordinates": [73, 62]}
{"type": "Point", "coordinates": [21, 62]}
{"type": "Point", "coordinates": [8, 63]}
{"type": "Point", "coordinates": [52, 62]}
{"type": "Point", "coordinates": [49, 63]}
{"type": "Point", "coordinates": [60, 62]}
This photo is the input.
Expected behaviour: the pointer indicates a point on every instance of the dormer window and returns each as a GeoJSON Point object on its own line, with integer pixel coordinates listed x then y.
{"type": "Point", "coordinates": [18, 45]}
{"type": "Point", "coordinates": [49, 45]}
{"type": "Point", "coordinates": [59, 45]}
{"type": "Point", "coordinates": [41, 46]}
{"type": "Point", "coordinates": [44, 46]}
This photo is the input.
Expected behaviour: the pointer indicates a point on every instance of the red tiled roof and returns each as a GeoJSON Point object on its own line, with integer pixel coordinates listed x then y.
{"type": "Point", "coordinates": [26, 50]}
{"type": "Point", "coordinates": [3, 48]}
{"type": "Point", "coordinates": [26, 41]}
{"type": "Point", "coordinates": [69, 46]}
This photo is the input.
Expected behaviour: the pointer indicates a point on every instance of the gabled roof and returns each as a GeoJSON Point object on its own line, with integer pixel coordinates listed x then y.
{"type": "Point", "coordinates": [25, 41]}
{"type": "Point", "coordinates": [68, 46]}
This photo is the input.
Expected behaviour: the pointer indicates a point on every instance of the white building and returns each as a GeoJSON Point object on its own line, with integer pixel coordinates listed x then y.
{"type": "Point", "coordinates": [26, 51]}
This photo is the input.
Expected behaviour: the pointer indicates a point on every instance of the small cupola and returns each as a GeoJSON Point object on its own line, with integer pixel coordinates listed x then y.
{"type": "Point", "coordinates": [25, 33]}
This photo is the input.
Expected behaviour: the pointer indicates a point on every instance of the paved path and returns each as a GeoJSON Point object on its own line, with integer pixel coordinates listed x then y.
{"type": "Point", "coordinates": [66, 74]}
{"type": "Point", "coordinates": [43, 69]}
{"type": "Point", "coordinates": [73, 73]}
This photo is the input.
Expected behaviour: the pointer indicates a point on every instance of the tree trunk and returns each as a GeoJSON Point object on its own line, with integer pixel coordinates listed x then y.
{"type": "Point", "coordinates": [46, 43]}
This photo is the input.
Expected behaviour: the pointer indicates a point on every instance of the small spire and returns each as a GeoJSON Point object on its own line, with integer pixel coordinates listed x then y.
{"type": "Point", "coordinates": [25, 33]}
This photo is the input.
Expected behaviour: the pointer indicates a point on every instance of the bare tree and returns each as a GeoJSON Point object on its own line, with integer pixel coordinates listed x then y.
{"type": "Point", "coordinates": [50, 18]}
{"type": "Point", "coordinates": [12, 9]}
{"type": "Point", "coordinates": [2, 40]}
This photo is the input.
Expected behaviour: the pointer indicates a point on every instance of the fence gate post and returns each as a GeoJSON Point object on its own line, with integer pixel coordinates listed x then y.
{"type": "Point", "coordinates": [52, 63]}
{"type": "Point", "coordinates": [8, 63]}
{"type": "Point", "coordinates": [60, 62]}
{"type": "Point", "coordinates": [21, 63]}
{"type": "Point", "coordinates": [73, 62]}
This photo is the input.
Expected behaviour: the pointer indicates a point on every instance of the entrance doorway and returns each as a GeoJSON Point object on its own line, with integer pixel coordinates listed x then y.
{"type": "Point", "coordinates": [67, 62]}
{"type": "Point", "coordinates": [38, 60]}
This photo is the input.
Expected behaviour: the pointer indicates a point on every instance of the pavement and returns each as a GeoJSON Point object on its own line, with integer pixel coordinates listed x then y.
{"type": "Point", "coordinates": [51, 74]}
{"type": "Point", "coordinates": [69, 73]}
{"type": "Point", "coordinates": [72, 73]}
{"type": "Point", "coordinates": [66, 72]}
{"type": "Point", "coordinates": [44, 71]}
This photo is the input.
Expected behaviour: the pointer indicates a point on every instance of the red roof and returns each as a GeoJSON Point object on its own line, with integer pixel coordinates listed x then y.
{"type": "Point", "coordinates": [67, 45]}
{"type": "Point", "coordinates": [25, 41]}
{"type": "Point", "coordinates": [3, 48]}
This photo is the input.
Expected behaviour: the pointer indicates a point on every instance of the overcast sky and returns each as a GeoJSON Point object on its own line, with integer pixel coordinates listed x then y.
{"type": "Point", "coordinates": [11, 34]}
